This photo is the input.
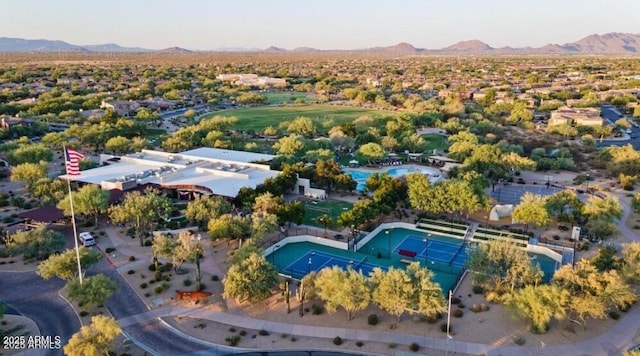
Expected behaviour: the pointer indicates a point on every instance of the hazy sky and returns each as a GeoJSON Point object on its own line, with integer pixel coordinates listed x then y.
{"type": "Point", "coordinates": [325, 24]}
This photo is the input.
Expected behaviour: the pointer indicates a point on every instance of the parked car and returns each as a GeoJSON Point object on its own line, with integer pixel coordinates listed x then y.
{"type": "Point", "coordinates": [86, 239]}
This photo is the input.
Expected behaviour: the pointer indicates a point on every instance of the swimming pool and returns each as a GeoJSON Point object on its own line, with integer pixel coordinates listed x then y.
{"type": "Point", "coordinates": [361, 177]}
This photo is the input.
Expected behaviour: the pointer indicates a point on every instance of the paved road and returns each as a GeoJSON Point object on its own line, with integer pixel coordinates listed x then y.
{"type": "Point", "coordinates": [37, 299]}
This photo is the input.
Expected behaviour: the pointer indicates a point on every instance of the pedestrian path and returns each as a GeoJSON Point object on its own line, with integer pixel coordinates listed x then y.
{"type": "Point", "coordinates": [613, 342]}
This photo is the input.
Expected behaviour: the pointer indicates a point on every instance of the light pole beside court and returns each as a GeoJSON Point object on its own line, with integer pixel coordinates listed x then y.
{"type": "Point", "coordinates": [499, 188]}
{"type": "Point", "coordinates": [587, 180]}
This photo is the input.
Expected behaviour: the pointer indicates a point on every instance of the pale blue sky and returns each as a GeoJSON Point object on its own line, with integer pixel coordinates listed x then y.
{"type": "Point", "coordinates": [325, 24]}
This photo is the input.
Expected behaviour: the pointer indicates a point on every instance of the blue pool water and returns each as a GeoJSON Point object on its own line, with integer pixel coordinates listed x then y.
{"type": "Point", "coordinates": [361, 177]}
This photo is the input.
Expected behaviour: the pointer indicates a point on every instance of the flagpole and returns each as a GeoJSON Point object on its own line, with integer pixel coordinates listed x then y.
{"type": "Point", "coordinates": [73, 217]}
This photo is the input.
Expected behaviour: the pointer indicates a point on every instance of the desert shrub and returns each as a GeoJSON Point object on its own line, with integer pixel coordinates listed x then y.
{"type": "Point", "coordinates": [443, 327]}
{"type": "Point", "coordinates": [458, 313]}
{"type": "Point", "coordinates": [519, 340]}
{"type": "Point", "coordinates": [293, 339]}
{"type": "Point", "coordinates": [478, 290]}
{"type": "Point", "coordinates": [337, 340]}
{"type": "Point", "coordinates": [614, 315]}
{"type": "Point", "coordinates": [143, 285]}
{"type": "Point", "coordinates": [243, 333]}
{"type": "Point", "coordinates": [232, 329]}
{"type": "Point", "coordinates": [359, 343]}
{"type": "Point", "coordinates": [187, 282]}
{"type": "Point", "coordinates": [147, 294]}
{"type": "Point", "coordinates": [215, 278]}
{"type": "Point", "coordinates": [83, 313]}
{"type": "Point", "coordinates": [109, 249]}
{"type": "Point", "coordinates": [148, 243]}
{"type": "Point", "coordinates": [131, 271]}
{"type": "Point", "coordinates": [414, 347]}
{"type": "Point", "coordinates": [233, 340]}
{"type": "Point", "coordinates": [392, 345]}
{"type": "Point", "coordinates": [132, 258]}
{"type": "Point", "coordinates": [316, 309]}
{"type": "Point", "coordinates": [158, 289]}
{"type": "Point", "coordinates": [372, 319]}
{"type": "Point", "coordinates": [455, 300]}
{"type": "Point", "coordinates": [152, 267]}
{"type": "Point", "coordinates": [263, 332]}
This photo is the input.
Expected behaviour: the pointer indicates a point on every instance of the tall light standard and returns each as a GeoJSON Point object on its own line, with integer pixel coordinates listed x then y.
{"type": "Point", "coordinates": [426, 248]}
{"type": "Point", "coordinates": [449, 337]}
{"type": "Point", "coordinates": [499, 188]}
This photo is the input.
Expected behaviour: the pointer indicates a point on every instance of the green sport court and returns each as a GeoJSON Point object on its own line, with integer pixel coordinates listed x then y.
{"type": "Point", "coordinates": [441, 255]}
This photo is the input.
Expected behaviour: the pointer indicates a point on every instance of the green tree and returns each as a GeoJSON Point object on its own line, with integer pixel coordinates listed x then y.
{"type": "Point", "coordinates": [163, 245]}
{"type": "Point", "coordinates": [539, 304]}
{"type": "Point", "coordinates": [262, 224]}
{"type": "Point", "coordinates": [29, 173]}
{"type": "Point", "coordinates": [635, 203]}
{"type": "Point", "coordinates": [290, 145]}
{"type": "Point", "coordinates": [38, 243]}
{"type": "Point", "coordinates": [229, 227]}
{"type": "Point", "coordinates": [501, 266]}
{"type": "Point", "coordinates": [118, 145]}
{"type": "Point", "coordinates": [392, 290]}
{"type": "Point", "coordinates": [325, 220]}
{"type": "Point", "coordinates": [65, 265]}
{"type": "Point", "coordinates": [93, 291]}
{"type": "Point", "coordinates": [31, 153]}
{"type": "Point", "coordinates": [207, 207]}
{"type": "Point", "coordinates": [90, 200]}
{"type": "Point", "coordinates": [189, 248]}
{"type": "Point", "coordinates": [143, 210]}
{"type": "Point", "coordinates": [302, 126]}
{"type": "Point", "coordinates": [95, 338]}
{"type": "Point", "coordinates": [563, 202]}
{"type": "Point", "coordinates": [532, 210]}
{"type": "Point", "coordinates": [623, 123]}
{"type": "Point", "coordinates": [49, 191]}
{"type": "Point", "coordinates": [593, 292]}
{"type": "Point", "coordinates": [250, 280]}
{"type": "Point", "coordinates": [631, 261]}
{"type": "Point", "coordinates": [371, 151]}
{"type": "Point", "coordinates": [339, 288]}
{"type": "Point", "coordinates": [520, 113]}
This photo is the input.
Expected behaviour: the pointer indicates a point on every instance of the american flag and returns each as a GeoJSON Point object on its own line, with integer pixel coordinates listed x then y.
{"type": "Point", "coordinates": [73, 158]}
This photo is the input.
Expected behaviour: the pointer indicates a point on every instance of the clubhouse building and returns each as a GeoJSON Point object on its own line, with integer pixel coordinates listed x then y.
{"type": "Point", "coordinates": [208, 171]}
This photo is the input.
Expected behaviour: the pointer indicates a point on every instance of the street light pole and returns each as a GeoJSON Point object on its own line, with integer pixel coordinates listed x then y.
{"type": "Point", "coordinates": [587, 180]}
{"type": "Point", "coordinates": [499, 189]}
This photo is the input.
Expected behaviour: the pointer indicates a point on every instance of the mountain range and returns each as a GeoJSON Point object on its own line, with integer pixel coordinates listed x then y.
{"type": "Point", "coordinates": [609, 43]}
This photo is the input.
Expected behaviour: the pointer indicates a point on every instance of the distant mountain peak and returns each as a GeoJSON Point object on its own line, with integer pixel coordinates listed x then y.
{"type": "Point", "coordinates": [274, 49]}
{"type": "Point", "coordinates": [469, 46]}
{"type": "Point", "coordinates": [177, 50]}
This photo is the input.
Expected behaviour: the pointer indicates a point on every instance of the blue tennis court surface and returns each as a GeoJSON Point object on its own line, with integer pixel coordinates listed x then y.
{"type": "Point", "coordinates": [316, 260]}
{"type": "Point", "coordinates": [512, 194]}
{"type": "Point", "coordinates": [434, 250]}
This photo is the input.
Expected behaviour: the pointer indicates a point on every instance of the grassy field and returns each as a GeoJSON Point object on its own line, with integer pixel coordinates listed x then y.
{"type": "Point", "coordinates": [435, 141]}
{"type": "Point", "coordinates": [286, 97]}
{"type": "Point", "coordinates": [335, 208]}
{"type": "Point", "coordinates": [258, 118]}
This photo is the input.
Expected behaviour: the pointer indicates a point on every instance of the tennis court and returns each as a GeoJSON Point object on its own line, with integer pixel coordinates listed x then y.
{"type": "Point", "coordinates": [316, 260]}
{"type": "Point", "coordinates": [431, 250]}
{"type": "Point", "coordinates": [512, 194]}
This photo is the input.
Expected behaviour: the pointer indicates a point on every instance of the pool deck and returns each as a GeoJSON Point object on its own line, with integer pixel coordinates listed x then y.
{"type": "Point", "coordinates": [385, 169]}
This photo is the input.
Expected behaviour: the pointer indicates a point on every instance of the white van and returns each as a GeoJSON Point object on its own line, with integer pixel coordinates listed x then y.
{"type": "Point", "coordinates": [86, 239]}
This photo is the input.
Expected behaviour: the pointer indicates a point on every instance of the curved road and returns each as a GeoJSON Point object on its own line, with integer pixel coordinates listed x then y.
{"type": "Point", "coordinates": [30, 295]}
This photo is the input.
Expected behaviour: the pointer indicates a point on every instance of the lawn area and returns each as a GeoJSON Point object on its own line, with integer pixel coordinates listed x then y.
{"type": "Point", "coordinates": [286, 97]}
{"type": "Point", "coordinates": [334, 209]}
{"type": "Point", "coordinates": [435, 141]}
{"type": "Point", "coordinates": [258, 118]}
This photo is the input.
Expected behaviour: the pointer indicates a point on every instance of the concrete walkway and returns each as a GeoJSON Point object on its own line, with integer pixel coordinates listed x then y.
{"type": "Point", "coordinates": [615, 341]}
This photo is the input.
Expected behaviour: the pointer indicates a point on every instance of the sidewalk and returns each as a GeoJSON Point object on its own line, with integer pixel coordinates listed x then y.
{"type": "Point", "coordinates": [613, 342]}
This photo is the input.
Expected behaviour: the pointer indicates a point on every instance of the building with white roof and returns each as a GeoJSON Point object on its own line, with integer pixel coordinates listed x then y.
{"type": "Point", "coordinates": [202, 170]}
